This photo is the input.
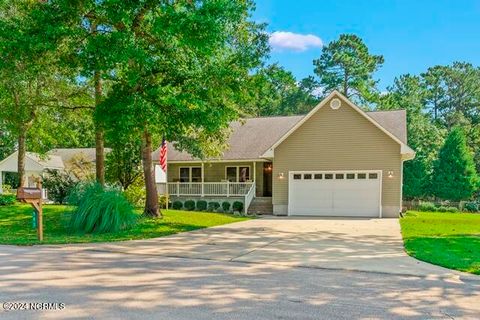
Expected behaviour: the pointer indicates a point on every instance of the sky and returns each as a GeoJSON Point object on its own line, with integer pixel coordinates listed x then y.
{"type": "Point", "coordinates": [411, 35]}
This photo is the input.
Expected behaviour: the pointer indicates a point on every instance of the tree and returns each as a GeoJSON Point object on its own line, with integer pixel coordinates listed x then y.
{"type": "Point", "coordinates": [123, 162]}
{"type": "Point", "coordinates": [346, 65]}
{"type": "Point", "coordinates": [181, 69]}
{"type": "Point", "coordinates": [29, 76]}
{"type": "Point", "coordinates": [453, 99]}
{"type": "Point", "coordinates": [454, 175]}
{"type": "Point", "coordinates": [424, 137]}
{"type": "Point", "coordinates": [275, 91]}
{"type": "Point", "coordinates": [83, 28]}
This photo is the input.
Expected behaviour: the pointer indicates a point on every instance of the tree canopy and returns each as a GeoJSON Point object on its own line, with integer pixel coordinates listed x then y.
{"type": "Point", "coordinates": [454, 175]}
{"type": "Point", "coordinates": [347, 66]}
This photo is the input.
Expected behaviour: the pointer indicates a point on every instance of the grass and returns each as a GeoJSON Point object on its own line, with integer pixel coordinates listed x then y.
{"type": "Point", "coordinates": [16, 225]}
{"type": "Point", "coordinates": [450, 240]}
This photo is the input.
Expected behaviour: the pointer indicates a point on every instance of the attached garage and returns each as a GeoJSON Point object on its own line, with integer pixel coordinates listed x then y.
{"type": "Point", "coordinates": [335, 193]}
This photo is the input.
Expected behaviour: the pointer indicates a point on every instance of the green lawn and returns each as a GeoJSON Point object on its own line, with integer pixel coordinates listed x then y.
{"type": "Point", "coordinates": [451, 240]}
{"type": "Point", "coordinates": [16, 225]}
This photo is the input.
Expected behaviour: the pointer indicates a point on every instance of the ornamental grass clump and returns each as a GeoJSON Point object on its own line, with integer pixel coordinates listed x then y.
{"type": "Point", "coordinates": [100, 209]}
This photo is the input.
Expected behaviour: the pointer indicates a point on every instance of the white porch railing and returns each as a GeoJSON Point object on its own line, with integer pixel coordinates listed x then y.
{"type": "Point", "coordinates": [224, 189]}
{"type": "Point", "coordinates": [249, 198]}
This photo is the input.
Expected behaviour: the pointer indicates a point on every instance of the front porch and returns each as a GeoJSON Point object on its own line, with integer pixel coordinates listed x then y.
{"type": "Point", "coordinates": [224, 181]}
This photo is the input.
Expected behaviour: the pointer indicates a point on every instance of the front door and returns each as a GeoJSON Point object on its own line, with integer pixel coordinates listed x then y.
{"type": "Point", "coordinates": [267, 179]}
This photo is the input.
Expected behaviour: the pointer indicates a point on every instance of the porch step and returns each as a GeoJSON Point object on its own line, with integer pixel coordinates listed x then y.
{"type": "Point", "coordinates": [261, 205]}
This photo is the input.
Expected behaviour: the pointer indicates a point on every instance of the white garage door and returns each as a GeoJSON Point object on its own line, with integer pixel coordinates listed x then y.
{"type": "Point", "coordinates": [339, 193]}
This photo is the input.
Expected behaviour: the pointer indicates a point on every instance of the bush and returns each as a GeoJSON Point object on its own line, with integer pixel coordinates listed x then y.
{"type": "Point", "coordinates": [189, 205]}
{"type": "Point", "coordinates": [136, 193]}
{"type": "Point", "coordinates": [201, 205]}
{"type": "Point", "coordinates": [59, 185]}
{"type": "Point", "coordinates": [226, 206]}
{"type": "Point", "coordinates": [237, 206]}
{"type": "Point", "coordinates": [213, 206]}
{"type": "Point", "coordinates": [472, 206]}
{"type": "Point", "coordinates": [452, 209]}
{"type": "Point", "coordinates": [442, 209]}
{"type": "Point", "coordinates": [162, 202]}
{"type": "Point", "coordinates": [177, 205]}
{"type": "Point", "coordinates": [7, 199]}
{"type": "Point", "coordinates": [7, 188]}
{"type": "Point", "coordinates": [100, 209]}
{"type": "Point", "coordinates": [427, 206]}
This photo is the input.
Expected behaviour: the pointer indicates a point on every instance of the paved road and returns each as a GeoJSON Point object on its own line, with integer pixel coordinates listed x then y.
{"type": "Point", "coordinates": [262, 269]}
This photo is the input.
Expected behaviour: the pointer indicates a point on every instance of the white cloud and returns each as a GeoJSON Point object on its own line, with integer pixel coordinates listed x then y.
{"type": "Point", "coordinates": [284, 40]}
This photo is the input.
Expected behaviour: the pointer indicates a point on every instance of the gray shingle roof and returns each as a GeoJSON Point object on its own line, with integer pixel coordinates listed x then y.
{"type": "Point", "coordinates": [252, 137]}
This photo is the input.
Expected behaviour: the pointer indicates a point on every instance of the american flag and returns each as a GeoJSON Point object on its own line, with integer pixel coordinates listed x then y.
{"type": "Point", "coordinates": [163, 155]}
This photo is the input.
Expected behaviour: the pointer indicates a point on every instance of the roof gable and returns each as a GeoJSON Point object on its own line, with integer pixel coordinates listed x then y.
{"type": "Point", "coordinates": [405, 150]}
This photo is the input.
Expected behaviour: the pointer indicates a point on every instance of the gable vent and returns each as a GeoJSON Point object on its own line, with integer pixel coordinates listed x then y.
{"type": "Point", "coordinates": [335, 104]}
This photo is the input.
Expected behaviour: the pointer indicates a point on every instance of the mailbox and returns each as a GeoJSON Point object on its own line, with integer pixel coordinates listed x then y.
{"type": "Point", "coordinates": [29, 194]}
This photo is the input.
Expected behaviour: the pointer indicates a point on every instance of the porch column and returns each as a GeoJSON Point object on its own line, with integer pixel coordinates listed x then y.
{"type": "Point", "coordinates": [255, 176]}
{"type": "Point", "coordinates": [203, 180]}
{"type": "Point", "coordinates": [1, 182]}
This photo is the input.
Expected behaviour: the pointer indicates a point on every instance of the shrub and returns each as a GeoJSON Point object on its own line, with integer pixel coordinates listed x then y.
{"type": "Point", "coordinates": [162, 201]}
{"type": "Point", "coordinates": [472, 206]}
{"type": "Point", "coordinates": [136, 193]}
{"type": "Point", "coordinates": [427, 206]}
{"type": "Point", "coordinates": [177, 205]}
{"type": "Point", "coordinates": [237, 206]}
{"type": "Point", "coordinates": [189, 205]}
{"type": "Point", "coordinates": [100, 210]}
{"type": "Point", "coordinates": [442, 209]}
{"type": "Point", "coordinates": [59, 185]}
{"type": "Point", "coordinates": [226, 206]}
{"type": "Point", "coordinates": [7, 188]}
{"type": "Point", "coordinates": [7, 199]}
{"type": "Point", "coordinates": [452, 209]}
{"type": "Point", "coordinates": [213, 206]}
{"type": "Point", "coordinates": [201, 205]}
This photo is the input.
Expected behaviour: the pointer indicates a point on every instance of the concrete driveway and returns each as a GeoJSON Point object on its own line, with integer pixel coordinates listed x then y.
{"type": "Point", "coordinates": [273, 268]}
{"type": "Point", "coordinates": [369, 245]}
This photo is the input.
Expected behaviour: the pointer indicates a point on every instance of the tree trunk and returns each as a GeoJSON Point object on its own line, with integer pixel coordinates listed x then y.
{"type": "Point", "coordinates": [345, 85]}
{"type": "Point", "coordinates": [151, 203]}
{"type": "Point", "coordinates": [99, 135]}
{"type": "Point", "coordinates": [21, 157]}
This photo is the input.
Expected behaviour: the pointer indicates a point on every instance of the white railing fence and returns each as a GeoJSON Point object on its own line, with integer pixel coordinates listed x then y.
{"type": "Point", "coordinates": [249, 198]}
{"type": "Point", "coordinates": [209, 188]}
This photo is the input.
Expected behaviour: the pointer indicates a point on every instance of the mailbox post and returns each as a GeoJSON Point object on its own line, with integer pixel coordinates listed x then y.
{"type": "Point", "coordinates": [34, 197]}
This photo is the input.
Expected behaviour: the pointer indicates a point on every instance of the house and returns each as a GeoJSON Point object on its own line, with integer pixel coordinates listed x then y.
{"type": "Point", "coordinates": [335, 161]}
{"type": "Point", "coordinates": [79, 162]}
{"type": "Point", "coordinates": [35, 166]}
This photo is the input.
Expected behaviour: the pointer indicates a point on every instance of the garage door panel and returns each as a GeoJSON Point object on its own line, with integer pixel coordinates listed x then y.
{"type": "Point", "coordinates": [335, 197]}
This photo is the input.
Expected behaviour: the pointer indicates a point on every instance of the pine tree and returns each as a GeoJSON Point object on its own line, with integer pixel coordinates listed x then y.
{"type": "Point", "coordinates": [454, 175]}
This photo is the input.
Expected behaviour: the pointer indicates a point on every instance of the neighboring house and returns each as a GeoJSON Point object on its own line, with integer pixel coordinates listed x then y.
{"type": "Point", "coordinates": [80, 162]}
{"type": "Point", "coordinates": [335, 161]}
{"type": "Point", "coordinates": [35, 166]}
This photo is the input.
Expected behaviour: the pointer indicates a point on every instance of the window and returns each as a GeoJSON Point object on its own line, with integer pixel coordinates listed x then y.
{"type": "Point", "coordinates": [196, 175]}
{"type": "Point", "coordinates": [237, 174]}
{"type": "Point", "coordinates": [190, 174]}
{"type": "Point", "coordinates": [297, 176]}
{"type": "Point", "coordinates": [339, 176]}
{"type": "Point", "coordinates": [328, 176]}
{"type": "Point", "coordinates": [362, 176]}
{"type": "Point", "coordinates": [318, 176]}
{"type": "Point", "coordinates": [232, 174]}
{"type": "Point", "coordinates": [373, 176]}
{"type": "Point", "coordinates": [307, 176]}
{"type": "Point", "coordinates": [350, 176]}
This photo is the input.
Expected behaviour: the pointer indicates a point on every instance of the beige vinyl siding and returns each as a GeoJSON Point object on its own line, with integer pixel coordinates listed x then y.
{"type": "Point", "coordinates": [339, 140]}
{"type": "Point", "coordinates": [215, 171]}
